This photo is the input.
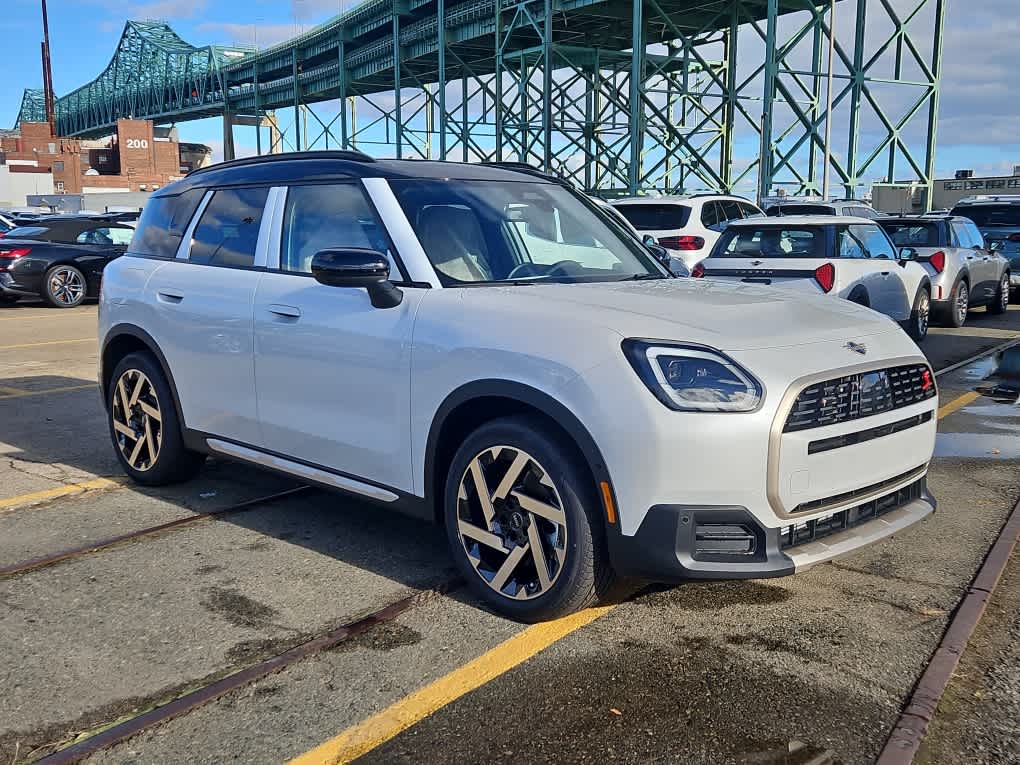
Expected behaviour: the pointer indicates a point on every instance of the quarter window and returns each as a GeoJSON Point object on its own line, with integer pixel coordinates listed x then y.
{"type": "Point", "coordinates": [730, 210]}
{"type": "Point", "coordinates": [229, 229]}
{"type": "Point", "coordinates": [323, 217]}
{"type": "Point", "coordinates": [710, 214]}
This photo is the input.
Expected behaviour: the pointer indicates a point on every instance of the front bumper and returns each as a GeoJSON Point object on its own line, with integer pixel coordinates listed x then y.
{"type": "Point", "coordinates": [670, 545]}
{"type": "Point", "coordinates": [1014, 278]}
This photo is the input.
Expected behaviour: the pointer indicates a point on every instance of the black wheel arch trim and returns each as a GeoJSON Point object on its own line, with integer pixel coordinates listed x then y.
{"type": "Point", "coordinates": [529, 396]}
{"type": "Point", "coordinates": [132, 330]}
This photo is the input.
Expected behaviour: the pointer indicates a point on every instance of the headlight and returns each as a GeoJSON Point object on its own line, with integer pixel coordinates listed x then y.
{"type": "Point", "coordinates": [692, 378]}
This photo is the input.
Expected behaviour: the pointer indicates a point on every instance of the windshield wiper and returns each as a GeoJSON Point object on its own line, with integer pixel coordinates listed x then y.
{"type": "Point", "coordinates": [641, 277]}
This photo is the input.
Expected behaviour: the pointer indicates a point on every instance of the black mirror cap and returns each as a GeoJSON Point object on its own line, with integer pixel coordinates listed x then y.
{"type": "Point", "coordinates": [649, 240]}
{"type": "Point", "coordinates": [907, 254]}
{"type": "Point", "coordinates": [350, 267]}
{"type": "Point", "coordinates": [358, 267]}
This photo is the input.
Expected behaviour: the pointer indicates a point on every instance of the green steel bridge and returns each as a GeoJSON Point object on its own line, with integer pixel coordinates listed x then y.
{"type": "Point", "coordinates": [616, 95]}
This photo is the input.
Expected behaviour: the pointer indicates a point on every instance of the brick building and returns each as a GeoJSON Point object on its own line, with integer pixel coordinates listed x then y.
{"type": "Point", "coordinates": [138, 157]}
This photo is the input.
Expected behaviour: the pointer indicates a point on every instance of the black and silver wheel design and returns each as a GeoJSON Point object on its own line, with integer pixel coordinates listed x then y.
{"type": "Point", "coordinates": [961, 304]}
{"type": "Point", "coordinates": [144, 426]}
{"type": "Point", "coordinates": [64, 287]}
{"type": "Point", "coordinates": [920, 316]}
{"type": "Point", "coordinates": [524, 520]}
{"type": "Point", "coordinates": [1000, 301]}
{"type": "Point", "coordinates": [137, 420]}
{"type": "Point", "coordinates": [511, 523]}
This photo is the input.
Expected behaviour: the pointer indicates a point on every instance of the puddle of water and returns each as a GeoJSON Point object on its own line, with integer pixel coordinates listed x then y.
{"type": "Point", "coordinates": [998, 446]}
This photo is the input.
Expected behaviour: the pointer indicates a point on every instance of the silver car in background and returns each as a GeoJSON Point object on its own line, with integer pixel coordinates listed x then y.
{"type": "Point", "coordinates": [998, 219]}
{"type": "Point", "coordinates": [965, 273]}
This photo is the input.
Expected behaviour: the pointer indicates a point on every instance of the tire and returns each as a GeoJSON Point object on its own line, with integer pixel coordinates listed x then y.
{"type": "Point", "coordinates": [558, 509]}
{"type": "Point", "coordinates": [959, 304]}
{"type": "Point", "coordinates": [64, 286]}
{"type": "Point", "coordinates": [9, 299]}
{"type": "Point", "coordinates": [917, 325]}
{"type": "Point", "coordinates": [1000, 302]}
{"type": "Point", "coordinates": [147, 439]}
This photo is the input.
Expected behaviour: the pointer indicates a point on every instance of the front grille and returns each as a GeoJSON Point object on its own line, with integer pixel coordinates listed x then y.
{"type": "Point", "coordinates": [810, 531]}
{"type": "Point", "coordinates": [860, 395]}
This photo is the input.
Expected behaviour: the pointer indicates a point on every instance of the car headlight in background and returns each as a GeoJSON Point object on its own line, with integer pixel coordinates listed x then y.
{"type": "Point", "coordinates": [692, 378]}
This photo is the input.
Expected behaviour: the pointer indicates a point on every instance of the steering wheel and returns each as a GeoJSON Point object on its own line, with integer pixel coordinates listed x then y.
{"type": "Point", "coordinates": [527, 269]}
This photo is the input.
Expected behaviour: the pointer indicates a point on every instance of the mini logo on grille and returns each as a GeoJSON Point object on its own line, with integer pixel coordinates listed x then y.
{"type": "Point", "coordinates": [856, 347]}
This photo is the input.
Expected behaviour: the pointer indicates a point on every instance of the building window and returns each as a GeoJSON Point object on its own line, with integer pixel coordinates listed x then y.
{"type": "Point", "coordinates": [975, 185]}
{"type": "Point", "coordinates": [59, 186]}
{"type": "Point", "coordinates": [1013, 184]}
{"type": "Point", "coordinates": [58, 166]}
{"type": "Point", "coordinates": [953, 186]}
{"type": "Point", "coordinates": [52, 148]}
{"type": "Point", "coordinates": [101, 159]}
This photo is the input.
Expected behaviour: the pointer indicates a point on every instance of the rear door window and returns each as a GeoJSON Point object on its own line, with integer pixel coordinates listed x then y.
{"type": "Point", "coordinates": [975, 234]}
{"type": "Point", "coordinates": [962, 235]}
{"type": "Point", "coordinates": [710, 215]}
{"type": "Point", "coordinates": [228, 232]}
{"type": "Point", "coordinates": [653, 217]}
{"type": "Point", "coordinates": [874, 241]}
{"type": "Point", "coordinates": [163, 223]}
{"type": "Point", "coordinates": [749, 211]}
{"type": "Point", "coordinates": [731, 210]}
{"type": "Point", "coordinates": [913, 234]}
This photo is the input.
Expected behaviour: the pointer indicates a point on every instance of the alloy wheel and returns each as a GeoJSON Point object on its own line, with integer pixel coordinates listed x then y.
{"type": "Point", "coordinates": [137, 420]}
{"type": "Point", "coordinates": [962, 303]}
{"type": "Point", "coordinates": [511, 522]}
{"type": "Point", "coordinates": [67, 286]}
{"type": "Point", "coordinates": [923, 311]}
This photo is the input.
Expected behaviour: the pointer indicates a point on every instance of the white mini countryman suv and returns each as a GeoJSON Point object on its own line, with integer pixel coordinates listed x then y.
{"type": "Point", "coordinates": [478, 345]}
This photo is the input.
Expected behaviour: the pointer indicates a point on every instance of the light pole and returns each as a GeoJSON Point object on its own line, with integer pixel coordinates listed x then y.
{"type": "Point", "coordinates": [828, 101]}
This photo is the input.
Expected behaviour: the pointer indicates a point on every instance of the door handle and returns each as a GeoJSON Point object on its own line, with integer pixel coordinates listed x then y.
{"type": "Point", "coordinates": [166, 296]}
{"type": "Point", "coordinates": [288, 311]}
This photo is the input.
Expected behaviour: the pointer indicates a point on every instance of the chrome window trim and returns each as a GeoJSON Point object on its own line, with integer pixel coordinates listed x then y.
{"type": "Point", "coordinates": [783, 412]}
{"type": "Point", "coordinates": [184, 248]}
{"type": "Point", "coordinates": [401, 233]}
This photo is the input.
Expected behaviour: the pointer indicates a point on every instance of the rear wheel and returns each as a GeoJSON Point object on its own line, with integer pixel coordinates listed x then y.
{"type": "Point", "coordinates": [524, 522]}
{"type": "Point", "coordinates": [917, 324]}
{"type": "Point", "coordinates": [959, 305]}
{"type": "Point", "coordinates": [64, 287]}
{"type": "Point", "coordinates": [144, 426]}
{"type": "Point", "coordinates": [1000, 302]}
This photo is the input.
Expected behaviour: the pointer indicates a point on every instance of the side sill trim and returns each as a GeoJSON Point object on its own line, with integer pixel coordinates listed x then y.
{"type": "Point", "coordinates": [301, 471]}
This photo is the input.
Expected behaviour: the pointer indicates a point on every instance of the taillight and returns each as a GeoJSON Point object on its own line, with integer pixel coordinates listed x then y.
{"type": "Point", "coordinates": [825, 275]}
{"type": "Point", "coordinates": [938, 261]}
{"type": "Point", "coordinates": [686, 243]}
{"type": "Point", "coordinates": [1013, 237]}
{"type": "Point", "coordinates": [698, 272]}
{"type": "Point", "coordinates": [16, 253]}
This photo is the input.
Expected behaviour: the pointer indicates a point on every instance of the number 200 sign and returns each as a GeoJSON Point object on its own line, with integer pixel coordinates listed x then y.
{"type": "Point", "coordinates": [137, 143]}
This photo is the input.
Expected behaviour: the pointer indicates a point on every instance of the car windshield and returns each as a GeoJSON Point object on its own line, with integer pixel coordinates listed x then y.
{"type": "Point", "coordinates": [777, 211]}
{"type": "Point", "coordinates": [485, 232]}
{"type": "Point", "coordinates": [912, 234]}
{"type": "Point", "coordinates": [653, 217]}
{"type": "Point", "coordinates": [771, 242]}
{"type": "Point", "coordinates": [990, 216]}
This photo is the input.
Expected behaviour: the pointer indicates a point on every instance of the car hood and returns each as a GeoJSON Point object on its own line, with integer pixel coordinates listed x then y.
{"type": "Point", "coordinates": [724, 315]}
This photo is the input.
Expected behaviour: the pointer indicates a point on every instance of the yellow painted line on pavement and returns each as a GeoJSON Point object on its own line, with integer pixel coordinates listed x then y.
{"type": "Point", "coordinates": [63, 314]}
{"type": "Point", "coordinates": [58, 491]}
{"type": "Point", "coordinates": [958, 403]}
{"type": "Point", "coordinates": [6, 393]}
{"type": "Point", "coordinates": [410, 710]}
{"type": "Point", "coordinates": [380, 728]}
{"type": "Point", "coordinates": [48, 342]}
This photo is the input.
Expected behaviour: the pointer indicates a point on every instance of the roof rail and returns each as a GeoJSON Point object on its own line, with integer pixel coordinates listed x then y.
{"type": "Point", "coordinates": [345, 154]}
{"type": "Point", "coordinates": [524, 167]}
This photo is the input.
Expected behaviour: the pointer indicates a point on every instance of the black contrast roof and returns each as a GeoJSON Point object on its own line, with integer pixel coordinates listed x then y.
{"type": "Point", "coordinates": [341, 165]}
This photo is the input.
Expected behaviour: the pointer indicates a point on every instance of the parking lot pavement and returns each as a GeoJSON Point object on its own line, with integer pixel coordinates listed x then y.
{"type": "Point", "coordinates": [713, 672]}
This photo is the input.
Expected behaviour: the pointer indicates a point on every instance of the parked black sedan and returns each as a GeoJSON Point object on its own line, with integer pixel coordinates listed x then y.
{"type": "Point", "coordinates": [59, 259]}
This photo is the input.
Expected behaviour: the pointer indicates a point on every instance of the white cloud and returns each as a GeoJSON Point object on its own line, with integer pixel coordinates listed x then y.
{"type": "Point", "coordinates": [262, 35]}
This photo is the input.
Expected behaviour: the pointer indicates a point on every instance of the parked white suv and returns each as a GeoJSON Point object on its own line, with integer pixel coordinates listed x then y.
{"type": "Point", "coordinates": [850, 258]}
{"type": "Point", "coordinates": [690, 225]}
{"type": "Point", "coordinates": [480, 346]}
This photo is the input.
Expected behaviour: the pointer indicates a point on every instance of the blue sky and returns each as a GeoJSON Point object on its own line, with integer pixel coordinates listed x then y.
{"type": "Point", "coordinates": [980, 104]}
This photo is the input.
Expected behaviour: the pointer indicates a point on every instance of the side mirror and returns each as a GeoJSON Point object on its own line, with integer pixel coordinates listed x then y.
{"type": "Point", "coordinates": [907, 254]}
{"type": "Point", "coordinates": [648, 240]}
{"type": "Point", "coordinates": [661, 253]}
{"type": "Point", "coordinates": [358, 267]}
{"type": "Point", "coordinates": [995, 246]}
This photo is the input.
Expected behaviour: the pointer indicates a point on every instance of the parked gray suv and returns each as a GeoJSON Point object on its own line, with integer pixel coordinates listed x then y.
{"type": "Point", "coordinates": [998, 219]}
{"type": "Point", "coordinates": [964, 271]}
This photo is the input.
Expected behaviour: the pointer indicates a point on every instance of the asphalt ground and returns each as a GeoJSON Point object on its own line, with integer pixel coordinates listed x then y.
{"type": "Point", "coordinates": [809, 668]}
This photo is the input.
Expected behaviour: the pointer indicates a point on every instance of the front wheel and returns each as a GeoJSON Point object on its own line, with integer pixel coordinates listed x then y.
{"type": "Point", "coordinates": [144, 426]}
{"type": "Point", "coordinates": [1000, 303]}
{"type": "Point", "coordinates": [64, 287]}
{"type": "Point", "coordinates": [524, 522]}
{"type": "Point", "coordinates": [917, 324]}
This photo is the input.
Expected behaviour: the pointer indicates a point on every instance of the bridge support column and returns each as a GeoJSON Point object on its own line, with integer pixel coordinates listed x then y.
{"type": "Point", "coordinates": [228, 136]}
